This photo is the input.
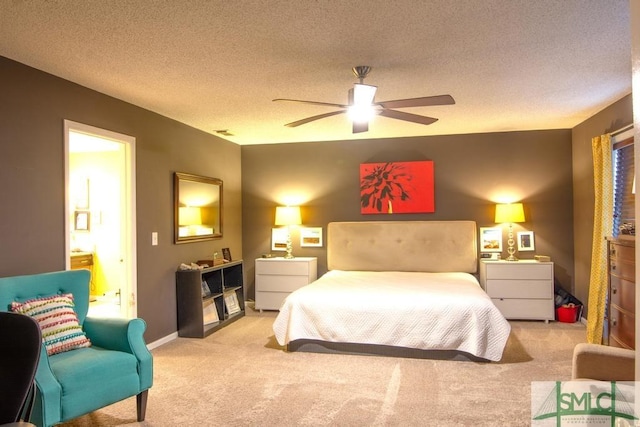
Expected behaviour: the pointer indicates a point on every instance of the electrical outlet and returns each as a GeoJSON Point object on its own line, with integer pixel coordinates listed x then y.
{"type": "Point", "coordinates": [154, 238]}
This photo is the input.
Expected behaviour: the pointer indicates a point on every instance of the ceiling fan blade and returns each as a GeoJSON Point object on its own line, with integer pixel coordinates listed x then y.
{"type": "Point", "coordinates": [360, 127]}
{"type": "Point", "coordinates": [313, 118]}
{"type": "Point", "coordinates": [418, 102]}
{"type": "Point", "coordinates": [407, 117]}
{"type": "Point", "coordinates": [326, 104]}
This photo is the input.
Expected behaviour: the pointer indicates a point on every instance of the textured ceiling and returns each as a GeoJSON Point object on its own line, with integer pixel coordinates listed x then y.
{"type": "Point", "coordinates": [214, 65]}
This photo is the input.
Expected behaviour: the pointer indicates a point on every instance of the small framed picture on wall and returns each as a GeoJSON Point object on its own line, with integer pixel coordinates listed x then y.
{"type": "Point", "coordinates": [279, 239]}
{"type": "Point", "coordinates": [490, 239]}
{"type": "Point", "coordinates": [81, 220]}
{"type": "Point", "coordinates": [311, 237]}
{"type": "Point", "coordinates": [525, 241]}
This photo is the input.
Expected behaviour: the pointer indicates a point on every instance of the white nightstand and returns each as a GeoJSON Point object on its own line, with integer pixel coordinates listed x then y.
{"type": "Point", "coordinates": [520, 289]}
{"type": "Point", "coordinates": [276, 278]}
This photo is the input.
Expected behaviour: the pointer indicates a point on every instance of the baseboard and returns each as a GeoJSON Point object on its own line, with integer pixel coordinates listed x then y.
{"type": "Point", "coordinates": [583, 321]}
{"type": "Point", "coordinates": [162, 341]}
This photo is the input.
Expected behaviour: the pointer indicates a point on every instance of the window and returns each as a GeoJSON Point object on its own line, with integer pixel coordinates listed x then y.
{"type": "Point", "coordinates": [623, 184]}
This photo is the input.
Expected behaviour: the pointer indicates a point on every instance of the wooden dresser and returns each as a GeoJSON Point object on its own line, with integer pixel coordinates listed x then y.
{"type": "Point", "coordinates": [622, 291]}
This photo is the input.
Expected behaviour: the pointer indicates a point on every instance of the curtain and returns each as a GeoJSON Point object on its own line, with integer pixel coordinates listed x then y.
{"type": "Point", "coordinates": [602, 227]}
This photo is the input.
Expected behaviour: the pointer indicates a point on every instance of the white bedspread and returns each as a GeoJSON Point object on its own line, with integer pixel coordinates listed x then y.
{"type": "Point", "coordinates": [429, 311]}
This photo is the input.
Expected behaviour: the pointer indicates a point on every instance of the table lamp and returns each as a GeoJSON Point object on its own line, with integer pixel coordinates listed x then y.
{"type": "Point", "coordinates": [288, 216]}
{"type": "Point", "coordinates": [510, 213]}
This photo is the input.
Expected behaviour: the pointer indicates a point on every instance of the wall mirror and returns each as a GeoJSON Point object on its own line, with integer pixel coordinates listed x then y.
{"type": "Point", "coordinates": [197, 208]}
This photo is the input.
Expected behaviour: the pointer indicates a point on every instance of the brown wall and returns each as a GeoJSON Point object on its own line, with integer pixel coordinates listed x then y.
{"type": "Point", "coordinates": [33, 106]}
{"type": "Point", "coordinates": [470, 170]}
{"type": "Point", "coordinates": [610, 119]}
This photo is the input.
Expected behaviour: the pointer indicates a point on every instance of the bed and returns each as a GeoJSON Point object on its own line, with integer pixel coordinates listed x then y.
{"type": "Point", "coordinates": [396, 285]}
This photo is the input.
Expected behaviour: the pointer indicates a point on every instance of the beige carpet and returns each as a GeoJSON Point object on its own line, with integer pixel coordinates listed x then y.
{"type": "Point", "coordinates": [239, 376]}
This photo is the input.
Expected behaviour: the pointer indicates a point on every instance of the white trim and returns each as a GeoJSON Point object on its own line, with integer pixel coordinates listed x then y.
{"type": "Point", "coordinates": [162, 341]}
{"type": "Point", "coordinates": [622, 134]}
{"type": "Point", "coordinates": [129, 250]}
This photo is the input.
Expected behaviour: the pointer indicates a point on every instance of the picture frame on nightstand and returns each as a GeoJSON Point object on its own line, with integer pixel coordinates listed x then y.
{"type": "Point", "coordinates": [525, 241]}
{"type": "Point", "coordinates": [490, 239]}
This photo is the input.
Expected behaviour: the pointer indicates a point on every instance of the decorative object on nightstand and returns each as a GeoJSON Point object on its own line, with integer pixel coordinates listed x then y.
{"type": "Point", "coordinates": [288, 216]}
{"type": "Point", "coordinates": [520, 289]}
{"type": "Point", "coordinates": [510, 213]}
{"type": "Point", "coordinates": [276, 278]}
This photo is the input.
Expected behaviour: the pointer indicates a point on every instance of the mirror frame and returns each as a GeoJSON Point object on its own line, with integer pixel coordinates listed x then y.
{"type": "Point", "coordinates": [216, 188]}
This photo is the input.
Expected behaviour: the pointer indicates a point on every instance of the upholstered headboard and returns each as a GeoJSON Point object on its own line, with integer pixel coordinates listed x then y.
{"type": "Point", "coordinates": [431, 246]}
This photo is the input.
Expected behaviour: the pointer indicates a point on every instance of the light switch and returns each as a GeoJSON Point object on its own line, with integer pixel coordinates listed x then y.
{"type": "Point", "coordinates": [154, 238]}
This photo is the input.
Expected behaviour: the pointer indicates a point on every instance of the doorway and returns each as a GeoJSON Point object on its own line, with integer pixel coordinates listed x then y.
{"type": "Point", "coordinates": [100, 212]}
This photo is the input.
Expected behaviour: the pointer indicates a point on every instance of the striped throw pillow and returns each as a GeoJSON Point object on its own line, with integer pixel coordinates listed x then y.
{"type": "Point", "coordinates": [58, 322]}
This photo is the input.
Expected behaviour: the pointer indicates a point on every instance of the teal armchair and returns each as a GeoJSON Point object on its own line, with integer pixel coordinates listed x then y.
{"type": "Point", "coordinates": [116, 366]}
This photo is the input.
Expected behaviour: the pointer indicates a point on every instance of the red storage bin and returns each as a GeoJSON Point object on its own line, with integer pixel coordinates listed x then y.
{"type": "Point", "coordinates": [567, 313]}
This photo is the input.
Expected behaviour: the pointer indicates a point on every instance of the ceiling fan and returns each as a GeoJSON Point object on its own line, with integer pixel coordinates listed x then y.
{"type": "Point", "coordinates": [361, 108]}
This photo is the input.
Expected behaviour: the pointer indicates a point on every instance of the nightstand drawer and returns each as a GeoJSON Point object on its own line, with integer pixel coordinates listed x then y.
{"type": "Point", "coordinates": [281, 283]}
{"type": "Point", "coordinates": [270, 300]}
{"type": "Point", "coordinates": [525, 309]}
{"type": "Point", "coordinates": [276, 278]}
{"type": "Point", "coordinates": [520, 270]}
{"type": "Point", "coordinates": [519, 289]}
{"type": "Point", "coordinates": [282, 267]}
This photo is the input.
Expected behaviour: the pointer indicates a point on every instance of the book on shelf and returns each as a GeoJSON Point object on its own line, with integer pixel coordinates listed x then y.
{"type": "Point", "coordinates": [209, 312]}
{"type": "Point", "coordinates": [231, 302]}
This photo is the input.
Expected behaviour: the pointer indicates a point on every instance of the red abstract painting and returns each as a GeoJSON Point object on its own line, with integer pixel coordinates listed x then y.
{"type": "Point", "coordinates": [396, 187]}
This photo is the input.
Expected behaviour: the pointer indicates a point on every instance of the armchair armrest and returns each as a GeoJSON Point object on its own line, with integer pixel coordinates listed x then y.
{"type": "Point", "coordinates": [603, 363]}
{"type": "Point", "coordinates": [47, 385]}
{"type": "Point", "coordinates": [125, 335]}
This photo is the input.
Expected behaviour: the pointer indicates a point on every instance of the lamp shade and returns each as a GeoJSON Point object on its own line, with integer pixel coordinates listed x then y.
{"type": "Point", "coordinates": [509, 212]}
{"type": "Point", "coordinates": [288, 215]}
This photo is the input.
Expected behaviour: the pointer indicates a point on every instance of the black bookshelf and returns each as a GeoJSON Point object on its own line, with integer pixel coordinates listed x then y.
{"type": "Point", "coordinates": [209, 299]}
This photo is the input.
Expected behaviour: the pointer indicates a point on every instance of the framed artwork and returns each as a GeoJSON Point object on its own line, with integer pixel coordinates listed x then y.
{"type": "Point", "coordinates": [311, 237]}
{"type": "Point", "coordinates": [81, 221]}
{"type": "Point", "coordinates": [397, 187]}
{"type": "Point", "coordinates": [279, 239]}
{"type": "Point", "coordinates": [205, 289]}
{"type": "Point", "coordinates": [80, 193]}
{"type": "Point", "coordinates": [490, 239]}
{"type": "Point", "coordinates": [525, 241]}
{"type": "Point", "coordinates": [231, 302]}
{"type": "Point", "coordinates": [226, 254]}
{"type": "Point", "coordinates": [197, 208]}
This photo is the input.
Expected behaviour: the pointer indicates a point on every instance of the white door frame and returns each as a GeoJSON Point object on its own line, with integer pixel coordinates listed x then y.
{"type": "Point", "coordinates": [129, 298]}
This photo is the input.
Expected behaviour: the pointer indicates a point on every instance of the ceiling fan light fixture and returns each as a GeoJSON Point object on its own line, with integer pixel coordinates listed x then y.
{"type": "Point", "coordinates": [363, 94]}
{"type": "Point", "coordinates": [361, 113]}
{"type": "Point", "coordinates": [362, 109]}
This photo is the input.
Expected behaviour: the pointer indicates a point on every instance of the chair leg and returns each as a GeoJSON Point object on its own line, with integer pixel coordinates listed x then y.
{"type": "Point", "coordinates": [141, 404]}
